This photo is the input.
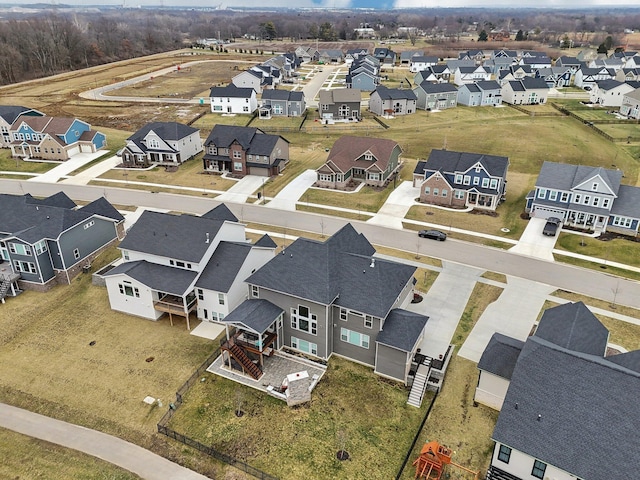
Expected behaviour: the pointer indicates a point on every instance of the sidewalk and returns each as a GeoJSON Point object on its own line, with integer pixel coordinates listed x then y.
{"type": "Point", "coordinates": [84, 177]}
{"type": "Point", "coordinates": [398, 203]}
{"type": "Point", "coordinates": [131, 457]}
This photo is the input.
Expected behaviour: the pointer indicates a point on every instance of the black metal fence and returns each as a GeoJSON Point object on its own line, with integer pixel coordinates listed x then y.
{"type": "Point", "coordinates": [212, 452]}
{"type": "Point", "coordinates": [416, 437]}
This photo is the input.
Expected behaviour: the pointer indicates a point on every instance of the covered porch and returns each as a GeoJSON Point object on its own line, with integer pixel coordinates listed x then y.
{"type": "Point", "coordinates": [176, 305]}
{"type": "Point", "coordinates": [481, 200]}
{"type": "Point", "coordinates": [8, 283]}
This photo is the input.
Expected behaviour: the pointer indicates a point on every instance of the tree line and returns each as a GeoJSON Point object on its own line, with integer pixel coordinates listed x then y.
{"type": "Point", "coordinates": [64, 39]}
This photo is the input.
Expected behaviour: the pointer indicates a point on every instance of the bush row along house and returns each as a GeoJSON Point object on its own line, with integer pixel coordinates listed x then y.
{"type": "Point", "coordinates": [46, 242]}
{"type": "Point", "coordinates": [562, 399]}
{"type": "Point", "coordinates": [31, 134]}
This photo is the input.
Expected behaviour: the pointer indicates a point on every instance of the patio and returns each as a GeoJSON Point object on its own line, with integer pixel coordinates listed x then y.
{"type": "Point", "coordinates": [276, 368]}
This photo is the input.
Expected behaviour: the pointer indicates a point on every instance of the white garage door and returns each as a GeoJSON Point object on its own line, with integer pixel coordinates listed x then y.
{"type": "Point", "coordinates": [546, 212]}
{"type": "Point", "coordinates": [73, 151]}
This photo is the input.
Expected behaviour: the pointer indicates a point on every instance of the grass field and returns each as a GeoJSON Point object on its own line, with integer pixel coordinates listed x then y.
{"type": "Point", "coordinates": [30, 458]}
{"type": "Point", "coordinates": [301, 443]}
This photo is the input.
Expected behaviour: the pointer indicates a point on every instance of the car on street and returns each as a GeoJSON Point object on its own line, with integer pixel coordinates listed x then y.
{"type": "Point", "coordinates": [551, 227]}
{"type": "Point", "coordinates": [433, 235]}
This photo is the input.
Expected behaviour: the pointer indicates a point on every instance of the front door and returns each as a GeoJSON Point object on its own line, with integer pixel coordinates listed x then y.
{"type": "Point", "coordinates": [229, 109]}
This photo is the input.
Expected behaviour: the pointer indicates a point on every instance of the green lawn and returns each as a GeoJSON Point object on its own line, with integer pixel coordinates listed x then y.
{"type": "Point", "coordinates": [17, 165]}
{"type": "Point", "coordinates": [302, 442]}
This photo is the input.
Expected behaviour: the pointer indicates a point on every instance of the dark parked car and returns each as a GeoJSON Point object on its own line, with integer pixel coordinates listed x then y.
{"type": "Point", "coordinates": [433, 235]}
{"type": "Point", "coordinates": [551, 227]}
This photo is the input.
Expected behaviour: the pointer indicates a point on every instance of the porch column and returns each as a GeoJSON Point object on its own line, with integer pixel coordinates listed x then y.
{"type": "Point", "coordinates": [185, 307]}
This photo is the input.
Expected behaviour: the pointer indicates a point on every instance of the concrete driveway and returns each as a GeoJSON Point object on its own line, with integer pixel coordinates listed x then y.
{"type": "Point", "coordinates": [66, 167]}
{"type": "Point", "coordinates": [512, 314]}
{"type": "Point", "coordinates": [397, 205]}
{"type": "Point", "coordinates": [287, 198]}
{"type": "Point", "coordinates": [242, 190]}
{"type": "Point", "coordinates": [444, 304]}
{"type": "Point", "coordinates": [84, 177]}
{"type": "Point", "coordinates": [533, 243]}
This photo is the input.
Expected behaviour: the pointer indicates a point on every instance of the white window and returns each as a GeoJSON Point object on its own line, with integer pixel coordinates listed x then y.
{"type": "Point", "coordinates": [245, 109]}
{"type": "Point", "coordinates": [542, 193]}
{"type": "Point", "coordinates": [467, 180]}
{"type": "Point", "coordinates": [596, 201]}
{"type": "Point", "coordinates": [217, 108]}
{"type": "Point", "coordinates": [254, 291]}
{"type": "Point", "coordinates": [237, 154]}
{"type": "Point", "coordinates": [458, 179]}
{"type": "Point", "coordinates": [127, 289]}
{"type": "Point", "coordinates": [427, 190]}
{"type": "Point", "coordinates": [577, 197]}
{"type": "Point", "coordinates": [354, 338]}
{"type": "Point", "coordinates": [586, 200]}
{"type": "Point", "coordinates": [89, 224]}
{"type": "Point", "coordinates": [302, 319]}
{"type": "Point", "coordinates": [476, 180]}
{"type": "Point", "coordinates": [459, 194]}
{"type": "Point", "coordinates": [553, 195]}
{"type": "Point", "coordinates": [125, 255]}
{"type": "Point", "coordinates": [237, 166]}
{"type": "Point", "coordinates": [304, 346]}
{"type": "Point", "coordinates": [622, 222]}
{"type": "Point", "coordinates": [76, 253]}
{"type": "Point", "coordinates": [594, 187]}
{"type": "Point", "coordinates": [200, 294]}
{"type": "Point", "coordinates": [26, 267]}
{"type": "Point", "coordinates": [494, 183]}
{"type": "Point", "coordinates": [564, 197]}
{"type": "Point", "coordinates": [325, 177]}
{"type": "Point", "coordinates": [153, 143]}
{"type": "Point", "coordinates": [374, 176]}
{"type": "Point", "coordinates": [436, 192]}
{"type": "Point", "coordinates": [343, 314]}
{"type": "Point", "coordinates": [368, 321]}
{"type": "Point", "coordinates": [19, 249]}
{"type": "Point", "coordinates": [221, 298]}
{"type": "Point", "coordinates": [485, 183]}
{"type": "Point", "coordinates": [40, 247]}
{"type": "Point", "coordinates": [444, 192]}
{"type": "Point", "coordinates": [605, 203]}
{"type": "Point", "coordinates": [368, 156]}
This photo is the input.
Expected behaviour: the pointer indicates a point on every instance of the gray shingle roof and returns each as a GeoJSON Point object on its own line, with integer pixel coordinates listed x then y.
{"type": "Point", "coordinates": [450, 162]}
{"type": "Point", "coordinates": [256, 314]}
{"type": "Point", "coordinates": [394, 93]}
{"type": "Point", "coordinates": [573, 411]}
{"type": "Point", "coordinates": [402, 329]}
{"type": "Point", "coordinates": [628, 202]}
{"type": "Point", "coordinates": [103, 208]}
{"type": "Point", "coordinates": [562, 176]}
{"type": "Point", "coordinates": [336, 271]}
{"type": "Point", "coordinates": [223, 267]}
{"type": "Point", "coordinates": [630, 360]}
{"type": "Point", "coordinates": [231, 91]}
{"type": "Point", "coordinates": [500, 355]}
{"type": "Point", "coordinates": [286, 95]}
{"type": "Point", "coordinates": [162, 278]}
{"type": "Point", "coordinates": [10, 112]}
{"type": "Point", "coordinates": [429, 87]}
{"type": "Point", "coordinates": [221, 212]}
{"type": "Point", "coordinates": [183, 237]}
{"type": "Point", "coordinates": [32, 220]}
{"type": "Point", "coordinates": [165, 130]}
{"type": "Point", "coordinates": [253, 140]}
{"type": "Point", "coordinates": [59, 199]}
{"type": "Point", "coordinates": [575, 328]}
{"type": "Point", "coordinates": [266, 241]}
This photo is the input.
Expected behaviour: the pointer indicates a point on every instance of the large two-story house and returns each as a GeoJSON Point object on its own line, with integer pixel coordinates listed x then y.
{"type": "Point", "coordinates": [233, 99]}
{"type": "Point", "coordinates": [244, 151]}
{"type": "Point", "coordinates": [8, 115]}
{"type": "Point", "coordinates": [569, 402]}
{"type": "Point", "coordinates": [436, 96]}
{"type": "Point", "coordinates": [487, 93]}
{"type": "Point", "coordinates": [334, 298]}
{"type": "Point", "coordinates": [178, 264]}
{"type": "Point", "coordinates": [461, 179]}
{"type": "Point", "coordinates": [585, 197]}
{"type": "Point", "coordinates": [47, 242]}
{"type": "Point", "coordinates": [282, 103]}
{"type": "Point", "coordinates": [340, 104]}
{"type": "Point", "coordinates": [360, 159]}
{"type": "Point", "coordinates": [53, 138]}
{"type": "Point", "coordinates": [161, 143]}
{"type": "Point", "coordinates": [392, 101]}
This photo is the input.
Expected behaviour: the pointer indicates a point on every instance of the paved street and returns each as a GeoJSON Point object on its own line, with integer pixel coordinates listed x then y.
{"type": "Point", "coordinates": [131, 457]}
{"type": "Point", "coordinates": [592, 283]}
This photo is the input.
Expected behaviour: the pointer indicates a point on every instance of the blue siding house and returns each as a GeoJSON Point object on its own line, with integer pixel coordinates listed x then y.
{"type": "Point", "coordinates": [589, 198]}
{"type": "Point", "coordinates": [45, 242]}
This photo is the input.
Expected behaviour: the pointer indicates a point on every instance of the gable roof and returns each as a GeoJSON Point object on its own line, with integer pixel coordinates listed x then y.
{"type": "Point", "coordinates": [231, 91]}
{"type": "Point", "coordinates": [394, 93]}
{"type": "Point", "coordinates": [165, 130]}
{"type": "Point", "coordinates": [628, 202]}
{"type": "Point", "coordinates": [572, 411]}
{"type": "Point", "coordinates": [183, 237]}
{"type": "Point", "coordinates": [221, 212]}
{"type": "Point", "coordinates": [103, 208]}
{"type": "Point", "coordinates": [286, 95]}
{"type": "Point", "coordinates": [500, 355]}
{"type": "Point", "coordinates": [348, 151]}
{"type": "Point", "coordinates": [337, 271]}
{"type": "Point", "coordinates": [223, 267]}
{"type": "Point", "coordinates": [161, 278]}
{"type": "Point", "coordinates": [402, 329]}
{"type": "Point", "coordinates": [448, 161]}
{"type": "Point", "coordinates": [429, 87]}
{"type": "Point", "coordinates": [9, 113]}
{"type": "Point", "coordinates": [59, 199]}
{"type": "Point", "coordinates": [254, 313]}
{"type": "Point", "coordinates": [340, 95]}
{"type": "Point", "coordinates": [563, 176]}
{"type": "Point", "coordinates": [574, 327]}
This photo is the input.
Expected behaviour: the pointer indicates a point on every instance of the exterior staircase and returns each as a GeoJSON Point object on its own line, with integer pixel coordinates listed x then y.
{"type": "Point", "coordinates": [4, 288]}
{"type": "Point", "coordinates": [419, 384]}
{"type": "Point", "coordinates": [249, 367]}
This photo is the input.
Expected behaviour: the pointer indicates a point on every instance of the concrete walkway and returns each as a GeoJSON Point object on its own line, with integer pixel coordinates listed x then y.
{"type": "Point", "coordinates": [513, 314]}
{"type": "Point", "coordinates": [242, 190]}
{"type": "Point", "coordinates": [131, 457]}
{"type": "Point", "coordinates": [444, 304]}
{"type": "Point", "coordinates": [66, 167]}
{"type": "Point", "coordinates": [287, 198]}
{"type": "Point", "coordinates": [397, 206]}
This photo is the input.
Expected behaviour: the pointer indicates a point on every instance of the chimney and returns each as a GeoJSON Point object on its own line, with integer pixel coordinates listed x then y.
{"type": "Point", "coordinates": [373, 263]}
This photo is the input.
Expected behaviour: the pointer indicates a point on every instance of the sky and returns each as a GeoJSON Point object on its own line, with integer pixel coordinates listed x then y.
{"type": "Point", "coordinates": [376, 4]}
